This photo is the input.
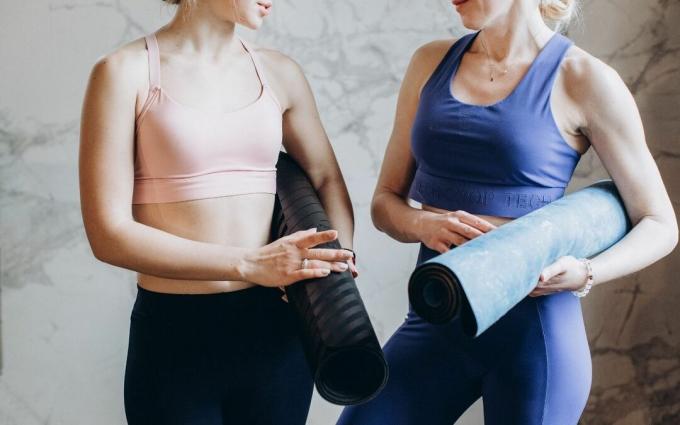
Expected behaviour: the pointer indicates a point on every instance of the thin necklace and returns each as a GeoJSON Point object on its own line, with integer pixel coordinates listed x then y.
{"type": "Point", "coordinates": [488, 61]}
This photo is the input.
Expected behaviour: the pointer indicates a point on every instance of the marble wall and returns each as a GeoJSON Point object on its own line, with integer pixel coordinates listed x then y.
{"type": "Point", "coordinates": [65, 316]}
{"type": "Point", "coordinates": [633, 323]}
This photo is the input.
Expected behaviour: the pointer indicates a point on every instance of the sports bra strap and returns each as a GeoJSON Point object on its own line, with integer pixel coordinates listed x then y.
{"type": "Point", "coordinates": [552, 60]}
{"type": "Point", "coordinates": [154, 60]}
{"type": "Point", "coordinates": [256, 61]}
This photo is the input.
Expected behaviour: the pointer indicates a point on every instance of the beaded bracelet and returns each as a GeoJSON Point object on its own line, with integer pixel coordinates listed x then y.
{"type": "Point", "coordinates": [589, 281]}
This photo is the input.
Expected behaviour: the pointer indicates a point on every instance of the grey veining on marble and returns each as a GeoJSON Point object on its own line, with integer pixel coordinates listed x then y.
{"type": "Point", "coordinates": [65, 314]}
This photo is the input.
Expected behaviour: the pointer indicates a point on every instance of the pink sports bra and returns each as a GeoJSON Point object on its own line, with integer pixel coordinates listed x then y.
{"type": "Point", "coordinates": [182, 153]}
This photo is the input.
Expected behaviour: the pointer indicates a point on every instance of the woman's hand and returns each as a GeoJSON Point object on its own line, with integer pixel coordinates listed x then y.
{"type": "Point", "coordinates": [280, 262]}
{"type": "Point", "coordinates": [438, 231]}
{"type": "Point", "coordinates": [567, 273]}
{"type": "Point", "coordinates": [353, 268]}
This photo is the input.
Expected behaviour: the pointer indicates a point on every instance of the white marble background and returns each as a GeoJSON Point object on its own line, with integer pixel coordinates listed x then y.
{"type": "Point", "coordinates": [65, 315]}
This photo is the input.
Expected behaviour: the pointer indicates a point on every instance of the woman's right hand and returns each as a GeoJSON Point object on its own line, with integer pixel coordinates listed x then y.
{"type": "Point", "coordinates": [280, 262]}
{"type": "Point", "coordinates": [438, 231]}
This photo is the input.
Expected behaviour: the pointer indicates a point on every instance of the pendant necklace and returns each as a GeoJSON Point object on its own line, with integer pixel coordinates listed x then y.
{"type": "Point", "coordinates": [488, 60]}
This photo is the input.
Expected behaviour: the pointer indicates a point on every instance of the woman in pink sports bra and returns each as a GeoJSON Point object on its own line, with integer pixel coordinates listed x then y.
{"type": "Point", "coordinates": [181, 131]}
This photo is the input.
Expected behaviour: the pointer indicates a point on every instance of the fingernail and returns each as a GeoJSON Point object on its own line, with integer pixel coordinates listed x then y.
{"type": "Point", "coordinates": [343, 266]}
{"type": "Point", "coordinates": [326, 271]}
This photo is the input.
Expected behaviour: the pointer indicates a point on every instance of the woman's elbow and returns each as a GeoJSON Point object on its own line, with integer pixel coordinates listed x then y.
{"type": "Point", "coordinates": [374, 216]}
{"type": "Point", "coordinates": [376, 211]}
{"type": "Point", "coordinates": [667, 234]}
{"type": "Point", "coordinates": [674, 233]}
{"type": "Point", "coordinates": [102, 250]}
{"type": "Point", "coordinates": [104, 244]}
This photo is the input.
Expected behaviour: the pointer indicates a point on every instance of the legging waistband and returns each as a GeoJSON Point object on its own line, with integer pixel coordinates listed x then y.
{"type": "Point", "coordinates": [237, 302]}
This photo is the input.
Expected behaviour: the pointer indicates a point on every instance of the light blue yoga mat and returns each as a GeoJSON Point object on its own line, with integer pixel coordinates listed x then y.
{"type": "Point", "coordinates": [481, 280]}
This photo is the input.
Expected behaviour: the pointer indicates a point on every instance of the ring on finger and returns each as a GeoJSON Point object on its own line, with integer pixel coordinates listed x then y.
{"type": "Point", "coordinates": [304, 263]}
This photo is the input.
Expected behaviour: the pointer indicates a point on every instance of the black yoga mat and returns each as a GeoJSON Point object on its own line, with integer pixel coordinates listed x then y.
{"type": "Point", "coordinates": [341, 346]}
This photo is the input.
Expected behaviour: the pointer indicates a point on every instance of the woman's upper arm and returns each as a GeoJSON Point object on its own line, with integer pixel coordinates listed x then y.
{"type": "Point", "coordinates": [106, 155]}
{"type": "Point", "coordinates": [398, 167]}
{"type": "Point", "coordinates": [304, 136]}
{"type": "Point", "coordinates": [614, 128]}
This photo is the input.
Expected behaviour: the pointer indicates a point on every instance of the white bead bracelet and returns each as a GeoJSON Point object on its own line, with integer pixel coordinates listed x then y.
{"type": "Point", "coordinates": [589, 281]}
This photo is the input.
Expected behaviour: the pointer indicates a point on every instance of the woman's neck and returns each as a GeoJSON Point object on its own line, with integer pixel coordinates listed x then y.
{"type": "Point", "coordinates": [515, 37]}
{"type": "Point", "coordinates": [198, 30]}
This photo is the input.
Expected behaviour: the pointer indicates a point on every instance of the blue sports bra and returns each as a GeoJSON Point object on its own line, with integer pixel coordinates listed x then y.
{"type": "Point", "coordinates": [505, 159]}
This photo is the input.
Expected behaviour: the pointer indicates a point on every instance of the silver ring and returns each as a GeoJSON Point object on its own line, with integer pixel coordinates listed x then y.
{"type": "Point", "coordinates": [304, 263]}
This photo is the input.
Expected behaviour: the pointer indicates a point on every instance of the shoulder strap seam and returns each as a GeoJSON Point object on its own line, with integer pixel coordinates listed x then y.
{"type": "Point", "coordinates": [254, 56]}
{"type": "Point", "coordinates": [452, 55]}
{"type": "Point", "coordinates": [259, 69]}
{"type": "Point", "coordinates": [153, 55]}
{"type": "Point", "coordinates": [154, 78]}
{"type": "Point", "coordinates": [150, 98]}
{"type": "Point", "coordinates": [545, 89]}
{"type": "Point", "coordinates": [559, 58]}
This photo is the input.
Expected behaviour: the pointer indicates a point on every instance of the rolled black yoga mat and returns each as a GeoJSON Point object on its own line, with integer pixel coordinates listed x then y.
{"type": "Point", "coordinates": [341, 346]}
{"type": "Point", "coordinates": [481, 280]}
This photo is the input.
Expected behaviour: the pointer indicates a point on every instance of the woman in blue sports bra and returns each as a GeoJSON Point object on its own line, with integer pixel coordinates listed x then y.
{"type": "Point", "coordinates": [488, 128]}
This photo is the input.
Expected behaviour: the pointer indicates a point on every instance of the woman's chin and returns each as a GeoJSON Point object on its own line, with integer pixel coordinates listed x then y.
{"type": "Point", "coordinates": [253, 24]}
{"type": "Point", "coordinates": [471, 22]}
{"type": "Point", "coordinates": [473, 27]}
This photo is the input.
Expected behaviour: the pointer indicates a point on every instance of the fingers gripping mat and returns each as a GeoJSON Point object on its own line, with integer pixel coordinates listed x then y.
{"type": "Point", "coordinates": [481, 280]}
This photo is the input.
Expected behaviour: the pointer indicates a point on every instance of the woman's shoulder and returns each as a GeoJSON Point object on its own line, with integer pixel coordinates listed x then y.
{"type": "Point", "coordinates": [586, 75]}
{"type": "Point", "coordinates": [277, 62]}
{"type": "Point", "coordinates": [126, 63]}
{"type": "Point", "coordinates": [435, 49]}
{"type": "Point", "coordinates": [427, 56]}
{"type": "Point", "coordinates": [424, 61]}
{"type": "Point", "coordinates": [283, 74]}
{"type": "Point", "coordinates": [599, 94]}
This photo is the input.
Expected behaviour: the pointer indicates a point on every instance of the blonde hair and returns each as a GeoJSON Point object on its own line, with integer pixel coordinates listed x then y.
{"type": "Point", "coordinates": [186, 3]}
{"type": "Point", "coordinates": [559, 12]}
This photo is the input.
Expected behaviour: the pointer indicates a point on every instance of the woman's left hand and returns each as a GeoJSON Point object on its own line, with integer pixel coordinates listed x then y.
{"type": "Point", "coordinates": [567, 273]}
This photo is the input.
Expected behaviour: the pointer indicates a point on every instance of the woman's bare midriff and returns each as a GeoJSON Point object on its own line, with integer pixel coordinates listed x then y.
{"type": "Point", "coordinates": [496, 220]}
{"type": "Point", "coordinates": [238, 220]}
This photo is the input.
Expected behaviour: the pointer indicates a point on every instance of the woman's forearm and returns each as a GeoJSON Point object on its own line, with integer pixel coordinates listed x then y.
{"type": "Point", "coordinates": [392, 214]}
{"type": "Point", "coordinates": [647, 242]}
{"type": "Point", "coordinates": [338, 206]}
{"type": "Point", "coordinates": [145, 249]}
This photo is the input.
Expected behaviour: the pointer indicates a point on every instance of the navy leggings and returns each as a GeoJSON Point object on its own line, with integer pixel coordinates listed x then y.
{"type": "Point", "coordinates": [214, 359]}
{"type": "Point", "coordinates": [531, 367]}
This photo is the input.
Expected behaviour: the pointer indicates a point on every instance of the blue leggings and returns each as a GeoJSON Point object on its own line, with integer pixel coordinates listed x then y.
{"type": "Point", "coordinates": [215, 359]}
{"type": "Point", "coordinates": [531, 367]}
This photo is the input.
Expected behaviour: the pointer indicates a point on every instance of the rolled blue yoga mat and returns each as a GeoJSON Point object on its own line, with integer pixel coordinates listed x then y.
{"type": "Point", "coordinates": [481, 280]}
